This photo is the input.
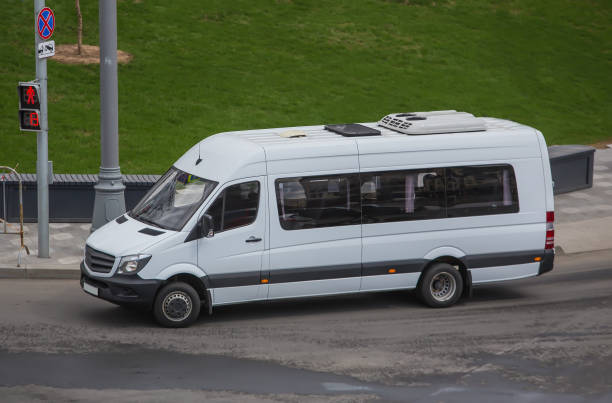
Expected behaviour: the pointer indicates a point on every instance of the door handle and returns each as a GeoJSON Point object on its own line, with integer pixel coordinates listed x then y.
{"type": "Point", "coordinates": [253, 239]}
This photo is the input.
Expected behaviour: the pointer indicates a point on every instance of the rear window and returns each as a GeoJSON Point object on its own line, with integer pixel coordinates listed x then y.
{"type": "Point", "coordinates": [481, 190]}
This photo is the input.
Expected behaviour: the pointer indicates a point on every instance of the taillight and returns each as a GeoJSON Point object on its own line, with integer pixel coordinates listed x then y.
{"type": "Point", "coordinates": [550, 230]}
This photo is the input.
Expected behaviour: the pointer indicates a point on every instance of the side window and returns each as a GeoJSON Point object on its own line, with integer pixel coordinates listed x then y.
{"type": "Point", "coordinates": [402, 195]}
{"type": "Point", "coordinates": [318, 201]}
{"type": "Point", "coordinates": [481, 190]}
{"type": "Point", "coordinates": [236, 206]}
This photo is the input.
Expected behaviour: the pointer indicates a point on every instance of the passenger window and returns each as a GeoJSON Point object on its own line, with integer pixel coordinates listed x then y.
{"type": "Point", "coordinates": [235, 207]}
{"type": "Point", "coordinates": [402, 195]}
{"type": "Point", "coordinates": [315, 202]}
{"type": "Point", "coordinates": [480, 190]}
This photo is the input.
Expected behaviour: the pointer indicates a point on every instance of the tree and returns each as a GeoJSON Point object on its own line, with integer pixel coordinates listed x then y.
{"type": "Point", "coordinates": [80, 27]}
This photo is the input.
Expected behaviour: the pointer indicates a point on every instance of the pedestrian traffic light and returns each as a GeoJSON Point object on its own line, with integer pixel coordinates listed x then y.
{"type": "Point", "coordinates": [29, 106]}
{"type": "Point", "coordinates": [28, 96]}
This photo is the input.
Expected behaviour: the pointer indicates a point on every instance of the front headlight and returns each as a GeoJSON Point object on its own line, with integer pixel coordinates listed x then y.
{"type": "Point", "coordinates": [132, 264]}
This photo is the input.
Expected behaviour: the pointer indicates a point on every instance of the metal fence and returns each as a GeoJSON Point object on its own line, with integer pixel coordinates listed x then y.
{"type": "Point", "coordinates": [71, 196]}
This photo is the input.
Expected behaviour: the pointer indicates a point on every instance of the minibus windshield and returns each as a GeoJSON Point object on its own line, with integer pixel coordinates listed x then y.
{"type": "Point", "coordinates": [172, 200]}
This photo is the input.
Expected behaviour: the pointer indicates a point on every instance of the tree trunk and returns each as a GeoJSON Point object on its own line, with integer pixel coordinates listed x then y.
{"type": "Point", "coordinates": [80, 27]}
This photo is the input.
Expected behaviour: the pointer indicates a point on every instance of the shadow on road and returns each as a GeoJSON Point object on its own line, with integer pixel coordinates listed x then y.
{"type": "Point", "coordinates": [315, 306]}
{"type": "Point", "coordinates": [116, 316]}
{"type": "Point", "coordinates": [351, 303]}
{"type": "Point", "coordinates": [491, 293]}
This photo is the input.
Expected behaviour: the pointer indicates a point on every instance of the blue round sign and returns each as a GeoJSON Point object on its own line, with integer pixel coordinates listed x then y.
{"type": "Point", "coordinates": [45, 23]}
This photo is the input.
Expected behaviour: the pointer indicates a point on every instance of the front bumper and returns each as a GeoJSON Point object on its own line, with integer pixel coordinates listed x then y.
{"type": "Point", "coordinates": [123, 290]}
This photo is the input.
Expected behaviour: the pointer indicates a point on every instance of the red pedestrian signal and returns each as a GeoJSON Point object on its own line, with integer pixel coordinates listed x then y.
{"type": "Point", "coordinates": [29, 96]}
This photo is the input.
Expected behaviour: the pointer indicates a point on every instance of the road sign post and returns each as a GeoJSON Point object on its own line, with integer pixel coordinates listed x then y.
{"type": "Point", "coordinates": [45, 25]}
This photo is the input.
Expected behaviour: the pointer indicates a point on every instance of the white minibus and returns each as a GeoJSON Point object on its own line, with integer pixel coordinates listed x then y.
{"type": "Point", "coordinates": [432, 201]}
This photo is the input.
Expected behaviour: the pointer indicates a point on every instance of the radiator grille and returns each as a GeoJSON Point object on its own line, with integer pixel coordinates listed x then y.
{"type": "Point", "coordinates": [97, 261]}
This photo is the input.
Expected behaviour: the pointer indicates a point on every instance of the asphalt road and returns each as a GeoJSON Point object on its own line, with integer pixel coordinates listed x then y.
{"type": "Point", "coordinates": [542, 339]}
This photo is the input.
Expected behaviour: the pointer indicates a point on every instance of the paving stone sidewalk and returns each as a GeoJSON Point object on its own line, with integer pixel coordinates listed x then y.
{"type": "Point", "coordinates": [583, 224]}
{"type": "Point", "coordinates": [66, 243]}
{"type": "Point", "coordinates": [584, 218]}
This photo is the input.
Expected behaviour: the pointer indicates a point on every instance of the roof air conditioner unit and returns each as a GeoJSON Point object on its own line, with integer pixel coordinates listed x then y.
{"type": "Point", "coordinates": [434, 122]}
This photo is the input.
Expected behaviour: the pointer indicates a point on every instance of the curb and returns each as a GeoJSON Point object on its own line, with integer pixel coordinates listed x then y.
{"type": "Point", "coordinates": [40, 274]}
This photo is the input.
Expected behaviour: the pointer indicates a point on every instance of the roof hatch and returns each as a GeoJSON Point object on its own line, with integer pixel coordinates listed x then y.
{"type": "Point", "coordinates": [434, 122]}
{"type": "Point", "coordinates": [353, 130]}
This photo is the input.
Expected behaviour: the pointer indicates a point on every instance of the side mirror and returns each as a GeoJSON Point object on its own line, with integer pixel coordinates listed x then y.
{"type": "Point", "coordinates": [207, 225]}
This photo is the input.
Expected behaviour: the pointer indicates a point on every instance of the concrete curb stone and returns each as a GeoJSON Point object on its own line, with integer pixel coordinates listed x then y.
{"type": "Point", "coordinates": [41, 274]}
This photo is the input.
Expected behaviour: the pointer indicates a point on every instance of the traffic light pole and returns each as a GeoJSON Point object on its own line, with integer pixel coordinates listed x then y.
{"type": "Point", "coordinates": [42, 161]}
{"type": "Point", "coordinates": [110, 201]}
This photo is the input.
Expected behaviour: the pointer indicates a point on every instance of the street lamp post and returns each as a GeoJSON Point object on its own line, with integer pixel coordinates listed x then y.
{"type": "Point", "coordinates": [110, 201]}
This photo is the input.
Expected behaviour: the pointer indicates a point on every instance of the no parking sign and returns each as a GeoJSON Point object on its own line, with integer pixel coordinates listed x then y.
{"type": "Point", "coordinates": [45, 23]}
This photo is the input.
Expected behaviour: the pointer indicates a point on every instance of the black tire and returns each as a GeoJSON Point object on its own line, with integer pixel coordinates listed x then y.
{"type": "Point", "coordinates": [441, 286]}
{"type": "Point", "coordinates": [176, 305]}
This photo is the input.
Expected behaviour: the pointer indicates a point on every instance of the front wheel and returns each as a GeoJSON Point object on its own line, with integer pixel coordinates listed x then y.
{"type": "Point", "coordinates": [176, 305]}
{"type": "Point", "coordinates": [441, 286]}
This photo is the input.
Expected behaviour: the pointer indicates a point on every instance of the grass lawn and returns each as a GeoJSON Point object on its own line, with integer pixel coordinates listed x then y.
{"type": "Point", "coordinates": [209, 66]}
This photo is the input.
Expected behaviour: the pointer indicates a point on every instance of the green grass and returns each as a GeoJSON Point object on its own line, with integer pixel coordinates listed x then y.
{"type": "Point", "coordinates": [209, 66]}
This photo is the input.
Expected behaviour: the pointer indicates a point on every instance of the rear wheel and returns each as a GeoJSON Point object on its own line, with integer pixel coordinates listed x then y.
{"type": "Point", "coordinates": [441, 286]}
{"type": "Point", "coordinates": [177, 305]}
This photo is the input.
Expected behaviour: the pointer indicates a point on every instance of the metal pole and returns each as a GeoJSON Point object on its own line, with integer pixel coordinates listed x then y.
{"type": "Point", "coordinates": [21, 213]}
{"type": "Point", "coordinates": [110, 201]}
{"type": "Point", "coordinates": [4, 201]}
{"type": "Point", "coordinates": [42, 175]}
